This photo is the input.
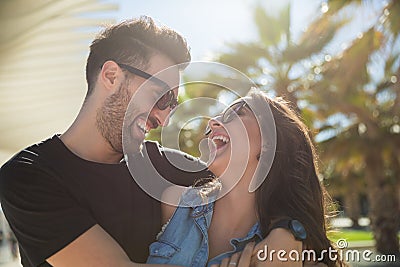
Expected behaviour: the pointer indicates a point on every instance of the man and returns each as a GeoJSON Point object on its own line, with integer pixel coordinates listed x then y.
{"type": "Point", "coordinates": [71, 200]}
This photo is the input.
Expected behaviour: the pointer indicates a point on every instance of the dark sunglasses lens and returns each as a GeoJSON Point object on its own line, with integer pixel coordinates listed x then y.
{"type": "Point", "coordinates": [228, 115]}
{"type": "Point", "coordinates": [167, 100]}
{"type": "Point", "coordinates": [174, 102]}
{"type": "Point", "coordinates": [208, 130]}
{"type": "Point", "coordinates": [232, 111]}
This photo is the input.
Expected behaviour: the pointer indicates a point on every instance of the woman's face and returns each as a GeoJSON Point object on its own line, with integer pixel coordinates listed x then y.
{"type": "Point", "coordinates": [234, 139]}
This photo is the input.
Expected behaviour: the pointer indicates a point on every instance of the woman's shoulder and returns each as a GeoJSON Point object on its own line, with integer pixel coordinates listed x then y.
{"type": "Point", "coordinates": [282, 242]}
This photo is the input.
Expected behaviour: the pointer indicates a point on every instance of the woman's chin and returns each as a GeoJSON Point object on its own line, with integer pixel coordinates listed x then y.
{"type": "Point", "coordinates": [217, 167]}
{"type": "Point", "coordinates": [219, 161]}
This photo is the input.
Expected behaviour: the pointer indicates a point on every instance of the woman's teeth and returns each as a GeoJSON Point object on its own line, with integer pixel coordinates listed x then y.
{"type": "Point", "coordinates": [222, 138]}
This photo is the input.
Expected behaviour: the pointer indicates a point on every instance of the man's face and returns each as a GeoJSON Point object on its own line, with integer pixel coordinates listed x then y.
{"type": "Point", "coordinates": [143, 113]}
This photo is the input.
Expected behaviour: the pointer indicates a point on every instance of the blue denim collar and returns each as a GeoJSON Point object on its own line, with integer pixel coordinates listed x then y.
{"type": "Point", "coordinates": [202, 205]}
{"type": "Point", "coordinates": [200, 196]}
{"type": "Point", "coordinates": [192, 198]}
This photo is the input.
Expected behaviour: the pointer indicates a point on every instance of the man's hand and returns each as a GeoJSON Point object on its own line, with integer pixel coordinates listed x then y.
{"type": "Point", "coordinates": [239, 259]}
{"type": "Point", "coordinates": [97, 248]}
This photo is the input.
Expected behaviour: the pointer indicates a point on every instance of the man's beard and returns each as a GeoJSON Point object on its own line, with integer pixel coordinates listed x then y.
{"type": "Point", "coordinates": [110, 117]}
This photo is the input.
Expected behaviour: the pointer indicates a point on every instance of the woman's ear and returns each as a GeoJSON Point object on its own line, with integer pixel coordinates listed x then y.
{"type": "Point", "coordinates": [109, 74]}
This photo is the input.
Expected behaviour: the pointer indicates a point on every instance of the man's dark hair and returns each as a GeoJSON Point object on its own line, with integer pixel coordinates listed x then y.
{"type": "Point", "coordinates": [133, 42]}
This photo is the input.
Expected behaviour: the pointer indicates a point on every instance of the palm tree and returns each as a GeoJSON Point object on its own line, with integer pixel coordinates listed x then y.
{"type": "Point", "coordinates": [369, 105]}
{"type": "Point", "coordinates": [278, 63]}
{"type": "Point", "coordinates": [355, 113]}
{"type": "Point", "coordinates": [344, 171]}
{"type": "Point", "coordinates": [275, 61]}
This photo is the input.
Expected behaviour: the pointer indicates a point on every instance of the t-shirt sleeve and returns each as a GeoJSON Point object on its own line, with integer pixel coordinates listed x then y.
{"type": "Point", "coordinates": [176, 166]}
{"type": "Point", "coordinates": [41, 212]}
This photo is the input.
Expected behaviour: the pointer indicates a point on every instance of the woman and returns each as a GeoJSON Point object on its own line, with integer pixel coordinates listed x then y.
{"type": "Point", "coordinates": [285, 212]}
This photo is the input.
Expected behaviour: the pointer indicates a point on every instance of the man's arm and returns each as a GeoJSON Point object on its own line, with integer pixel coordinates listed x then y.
{"type": "Point", "coordinates": [50, 225]}
{"type": "Point", "coordinates": [176, 166]}
{"type": "Point", "coordinates": [95, 248]}
{"type": "Point", "coordinates": [169, 202]}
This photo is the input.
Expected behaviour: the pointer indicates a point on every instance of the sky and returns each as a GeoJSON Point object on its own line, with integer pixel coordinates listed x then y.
{"type": "Point", "coordinates": [209, 25]}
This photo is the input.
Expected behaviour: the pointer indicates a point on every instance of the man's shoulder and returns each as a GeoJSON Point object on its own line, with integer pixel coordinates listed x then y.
{"type": "Point", "coordinates": [31, 160]}
{"type": "Point", "coordinates": [155, 149]}
{"type": "Point", "coordinates": [31, 155]}
{"type": "Point", "coordinates": [176, 166]}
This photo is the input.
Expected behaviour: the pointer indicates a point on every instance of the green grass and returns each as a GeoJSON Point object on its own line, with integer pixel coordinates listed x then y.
{"type": "Point", "coordinates": [351, 235]}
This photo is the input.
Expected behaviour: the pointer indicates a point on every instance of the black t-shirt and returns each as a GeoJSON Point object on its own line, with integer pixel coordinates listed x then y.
{"type": "Point", "coordinates": [50, 196]}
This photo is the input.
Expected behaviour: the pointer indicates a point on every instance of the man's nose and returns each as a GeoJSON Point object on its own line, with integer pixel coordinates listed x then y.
{"type": "Point", "coordinates": [162, 116]}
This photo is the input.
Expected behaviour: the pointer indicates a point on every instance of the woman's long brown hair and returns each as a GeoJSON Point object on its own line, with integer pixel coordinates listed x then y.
{"type": "Point", "coordinates": [292, 188]}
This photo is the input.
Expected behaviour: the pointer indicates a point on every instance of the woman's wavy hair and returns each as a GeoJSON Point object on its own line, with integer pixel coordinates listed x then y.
{"type": "Point", "coordinates": [292, 187]}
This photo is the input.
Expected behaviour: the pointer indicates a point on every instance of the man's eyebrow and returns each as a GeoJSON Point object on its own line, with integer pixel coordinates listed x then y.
{"type": "Point", "coordinates": [145, 75]}
{"type": "Point", "coordinates": [157, 88]}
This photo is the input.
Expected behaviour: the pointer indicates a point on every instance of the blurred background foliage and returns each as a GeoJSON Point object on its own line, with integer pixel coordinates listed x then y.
{"type": "Point", "coordinates": [349, 99]}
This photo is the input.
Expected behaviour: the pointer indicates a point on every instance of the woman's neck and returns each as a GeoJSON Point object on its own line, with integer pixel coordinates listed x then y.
{"type": "Point", "coordinates": [238, 205]}
{"type": "Point", "coordinates": [234, 215]}
{"type": "Point", "coordinates": [238, 208]}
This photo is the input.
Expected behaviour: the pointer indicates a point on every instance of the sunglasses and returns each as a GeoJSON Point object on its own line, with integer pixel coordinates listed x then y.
{"type": "Point", "coordinates": [167, 100]}
{"type": "Point", "coordinates": [229, 114]}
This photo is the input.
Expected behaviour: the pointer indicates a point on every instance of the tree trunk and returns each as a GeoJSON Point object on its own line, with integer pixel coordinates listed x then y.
{"type": "Point", "coordinates": [352, 206]}
{"type": "Point", "coordinates": [384, 205]}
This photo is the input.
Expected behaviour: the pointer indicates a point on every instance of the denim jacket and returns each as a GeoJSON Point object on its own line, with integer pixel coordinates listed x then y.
{"type": "Point", "coordinates": [184, 239]}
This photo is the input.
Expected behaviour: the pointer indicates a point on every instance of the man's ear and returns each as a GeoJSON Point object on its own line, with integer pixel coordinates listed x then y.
{"type": "Point", "coordinates": [110, 75]}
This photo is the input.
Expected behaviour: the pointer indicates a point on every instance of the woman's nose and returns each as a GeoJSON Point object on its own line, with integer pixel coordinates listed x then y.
{"type": "Point", "coordinates": [212, 124]}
